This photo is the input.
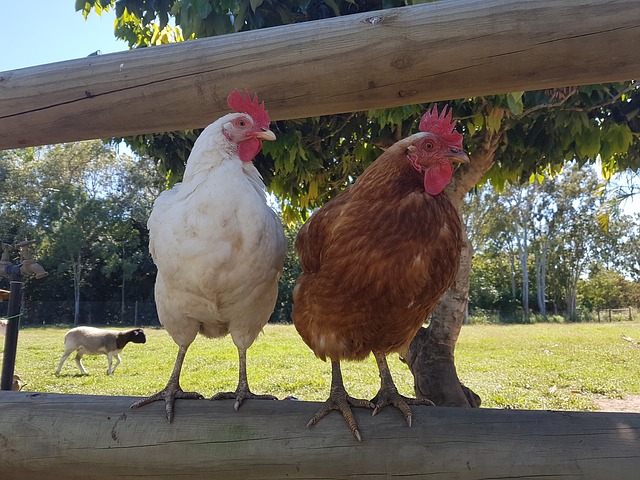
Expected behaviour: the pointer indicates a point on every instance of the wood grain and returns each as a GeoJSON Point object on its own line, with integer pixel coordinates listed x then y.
{"type": "Point", "coordinates": [436, 51]}
{"type": "Point", "coordinates": [79, 437]}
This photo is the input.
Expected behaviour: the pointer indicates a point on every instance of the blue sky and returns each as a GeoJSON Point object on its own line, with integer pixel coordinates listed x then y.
{"type": "Point", "coordinates": [42, 31]}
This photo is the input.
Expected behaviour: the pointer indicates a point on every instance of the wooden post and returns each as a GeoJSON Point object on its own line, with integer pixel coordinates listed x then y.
{"type": "Point", "coordinates": [78, 437]}
{"type": "Point", "coordinates": [434, 51]}
{"type": "Point", "coordinates": [16, 279]}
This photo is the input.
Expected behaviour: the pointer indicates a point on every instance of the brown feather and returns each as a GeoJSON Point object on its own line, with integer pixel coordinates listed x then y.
{"type": "Point", "coordinates": [375, 261]}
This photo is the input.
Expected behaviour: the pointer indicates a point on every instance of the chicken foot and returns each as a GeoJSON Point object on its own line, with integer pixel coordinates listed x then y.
{"type": "Point", "coordinates": [388, 393]}
{"type": "Point", "coordinates": [173, 390]}
{"type": "Point", "coordinates": [341, 401]}
{"type": "Point", "coordinates": [242, 392]}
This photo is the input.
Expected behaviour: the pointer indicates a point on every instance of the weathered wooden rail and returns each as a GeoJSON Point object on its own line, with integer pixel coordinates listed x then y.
{"type": "Point", "coordinates": [79, 437]}
{"type": "Point", "coordinates": [436, 51]}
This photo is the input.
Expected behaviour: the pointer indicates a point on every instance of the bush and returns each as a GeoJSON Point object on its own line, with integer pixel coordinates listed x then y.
{"type": "Point", "coordinates": [480, 316]}
{"type": "Point", "coordinates": [537, 318]}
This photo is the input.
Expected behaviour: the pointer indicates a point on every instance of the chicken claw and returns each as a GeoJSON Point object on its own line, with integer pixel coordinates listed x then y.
{"type": "Point", "coordinates": [242, 392]}
{"type": "Point", "coordinates": [173, 390]}
{"type": "Point", "coordinates": [240, 395]}
{"type": "Point", "coordinates": [392, 397]}
{"type": "Point", "coordinates": [388, 393]}
{"type": "Point", "coordinates": [169, 395]}
{"type": "Point", "coordinates": [339, 400]}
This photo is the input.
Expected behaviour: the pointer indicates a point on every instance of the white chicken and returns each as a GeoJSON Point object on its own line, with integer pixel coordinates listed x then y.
{"type": "Point", "coordinates": [219, 248]}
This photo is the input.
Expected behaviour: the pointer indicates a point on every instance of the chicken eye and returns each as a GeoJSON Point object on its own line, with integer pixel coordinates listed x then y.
{"type": "Point", "coordinates": [242, 123]}
{"type": "Point", "coordinates": [429, 145]}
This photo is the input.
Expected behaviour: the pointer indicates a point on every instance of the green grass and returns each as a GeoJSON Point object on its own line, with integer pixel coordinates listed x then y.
{"type": "Point", "coordinates": [541, 366]}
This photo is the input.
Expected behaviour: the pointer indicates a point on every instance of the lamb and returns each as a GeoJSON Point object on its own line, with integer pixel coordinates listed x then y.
{"type": "Point", "coordinates": [95, 341]}
{"type": "Point", "coordinates": [3, 327]}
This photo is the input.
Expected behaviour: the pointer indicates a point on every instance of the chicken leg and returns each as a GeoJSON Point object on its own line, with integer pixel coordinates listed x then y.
{"type": "Point", "coordinates": [173, 390]}
{"type": "Point", "coordinates": [388, 393]}
{"type": "Point", "coordinates": [242, 392]}
{"type": "Point", "coordinates": [340, 400]}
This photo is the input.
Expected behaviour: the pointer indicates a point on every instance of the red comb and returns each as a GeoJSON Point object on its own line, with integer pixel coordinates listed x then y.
{"type": "Point", "coordinates": [243, 104]}
{"type": "Point", "coordinates": [441, 125]}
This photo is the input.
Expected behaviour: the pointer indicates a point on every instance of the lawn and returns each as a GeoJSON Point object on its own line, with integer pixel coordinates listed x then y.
{"type": "Point", "coordinates": [541, 366]}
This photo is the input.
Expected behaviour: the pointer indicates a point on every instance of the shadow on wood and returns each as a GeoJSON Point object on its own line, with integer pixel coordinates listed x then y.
{"type": "Point", "coordinates": [78, 437]}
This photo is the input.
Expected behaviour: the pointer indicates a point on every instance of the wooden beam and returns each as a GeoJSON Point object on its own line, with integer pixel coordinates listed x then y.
{"type": "Point", "coordinates": [78, 437]}
{"type": "Point", "coordinates": [436, 51]}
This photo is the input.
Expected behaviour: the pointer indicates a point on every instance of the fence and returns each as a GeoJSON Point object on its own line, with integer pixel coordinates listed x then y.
{"type": "Point", "coordinates": [616, 314]}
{"type": "Point", "coordinates": [108, 313]}
{"type": "Point", "coordinates": [100, 313]}
{"type": "Point", "coordinates": [627, 314]}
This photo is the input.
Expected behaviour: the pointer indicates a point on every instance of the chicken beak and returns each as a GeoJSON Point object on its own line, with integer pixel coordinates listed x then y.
{"type": "Point", "coordinates": [266, 135]}
{"type": "Point", "coordinates": [458, 156]}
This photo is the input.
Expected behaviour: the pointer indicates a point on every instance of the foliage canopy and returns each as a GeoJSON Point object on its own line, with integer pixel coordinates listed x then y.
{"type": "Point", "coordinates": [533, 133]}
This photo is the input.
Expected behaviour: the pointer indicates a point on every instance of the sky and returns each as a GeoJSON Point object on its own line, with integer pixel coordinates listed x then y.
{"type": "Point", "coordinates": [41, 31]}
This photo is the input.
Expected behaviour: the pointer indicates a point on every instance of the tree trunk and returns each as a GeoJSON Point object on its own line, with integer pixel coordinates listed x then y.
{"type": "Point", "coordinates": [122, 301]}
{"type": "Point", "coordinates": [541, 278]}
{"type": "Point", "coordinates": [522, 253]}
{"type": "Point", "coordinates": [77, 272]}
{"type": "Point", "coordinates": [524, 256]}
{"type": "Point", "coordinates": [513, 275]}
{"type": "Point", "coordinates": [431, 354]}
{"type": "Point", "coordinates": [572, 294]}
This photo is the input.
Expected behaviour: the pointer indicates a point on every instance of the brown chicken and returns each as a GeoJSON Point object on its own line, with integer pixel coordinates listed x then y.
{"type": "Point", "coordinates": [376, 260]}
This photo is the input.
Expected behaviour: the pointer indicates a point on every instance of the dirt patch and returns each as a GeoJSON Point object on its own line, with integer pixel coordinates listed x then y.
{"type": "Point", "coordinates": [630, 403]}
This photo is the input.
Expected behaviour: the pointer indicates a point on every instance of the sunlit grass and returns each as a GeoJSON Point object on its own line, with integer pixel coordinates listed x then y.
{"type": "Point", "coordinates": [549, 366]}
{"type": "Point", "coordinates": [541, 366]}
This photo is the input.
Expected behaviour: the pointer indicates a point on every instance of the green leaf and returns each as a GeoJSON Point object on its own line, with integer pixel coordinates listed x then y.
{"type": "Point", "coordinates": [203, 7]}
{"type": "Point", "coordinates": [85, 7]}
{"type": "Point", "coordinates": [588, 144]}
{"type": "Point", "coordinates": [514, 102]}
{"type": "Point", "coordinates": [290, 161]}
{"type": "Point", "coordinates": [332, 4]}
{"type": "Point", "coordinates": [478, 120]}
{"type": "Point", "coordinates": [604, 218]}
{"type": "Point", "coordinates": [238, 19]}
{"type": "Point", "coordinates": [536, 177]}
{"type": "Point", "coordinates": [255, 4]}
{"type": "Point", "coordinates": [313, 189]}
{"type": "Point", "coordinates": [494, 119]}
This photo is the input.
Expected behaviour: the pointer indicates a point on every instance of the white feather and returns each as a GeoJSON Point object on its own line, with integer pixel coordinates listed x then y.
{"type": "Point", "coordinates": [218, 246]}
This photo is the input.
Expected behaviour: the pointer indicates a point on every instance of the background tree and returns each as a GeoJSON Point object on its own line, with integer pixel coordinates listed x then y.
{"type": "Point", "coordinates": [19, 195]}
{"type": "Point", "coordinates": [578, 245]}
{"type": "Point", "coordinates": [545, 217]}
{"type": "Point", "coordinates": [579, 208]}
{"type": "Point", "coordinates": [86, 206]}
